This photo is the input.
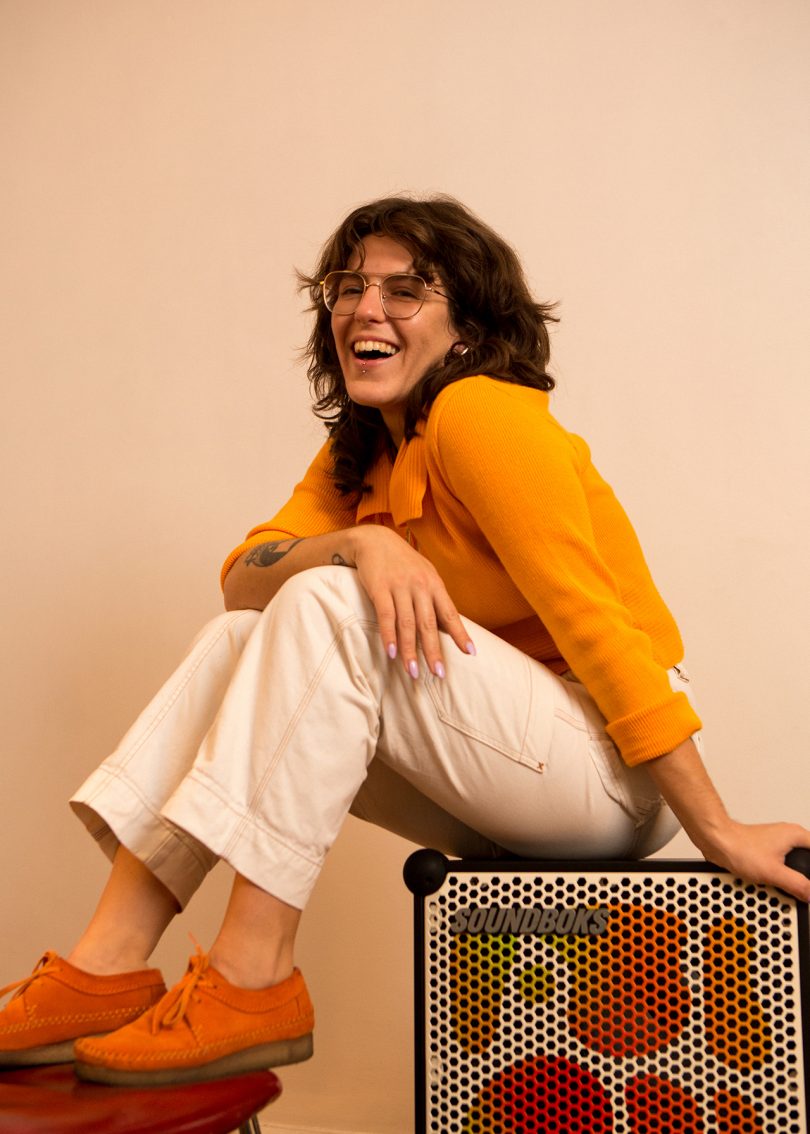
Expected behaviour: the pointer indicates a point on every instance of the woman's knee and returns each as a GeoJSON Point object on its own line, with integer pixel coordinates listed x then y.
{"type": "Point", "coordinates": [332, 587]}
{"type": "Point", "coordinates": [236, 624]}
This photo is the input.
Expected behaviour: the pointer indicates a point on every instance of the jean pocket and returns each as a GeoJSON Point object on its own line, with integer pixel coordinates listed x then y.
{"type": "Point", "coordinates": [606, 760]}
{"type": "Point", "coordinates": [632, 788]}
{"type": "Point", "coordinates": [501, 715]}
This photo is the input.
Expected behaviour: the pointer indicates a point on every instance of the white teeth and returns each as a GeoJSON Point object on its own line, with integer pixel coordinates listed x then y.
{"type": "Point", "coordinates": [372, 344]}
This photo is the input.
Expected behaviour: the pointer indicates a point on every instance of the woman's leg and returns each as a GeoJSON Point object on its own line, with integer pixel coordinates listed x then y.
{"type": "Point", "coordinates": [501, 745]}
{"type": "Point", "coordinates": [120, 803]}
{"type": "Point", "coordinates": [253, 949]}
{"type": "Point", "coordinates": [133, 911]}
{"type": "Point", "coordinates": [522, 757]}
{"type": "Point", "coordinates": [509, 749]}
{"type": "Point", "coordinates": [255, 944]}
{"type": "Point", "coordinates": [103, 982]}
{"type": "Point", "coordinates": [502, 754]}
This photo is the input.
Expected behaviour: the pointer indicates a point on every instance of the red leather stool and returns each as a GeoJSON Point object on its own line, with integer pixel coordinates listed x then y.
{"type": "Point", "coordinates": [51, 1100]}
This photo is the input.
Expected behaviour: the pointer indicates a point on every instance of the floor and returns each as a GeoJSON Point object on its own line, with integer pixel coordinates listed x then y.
{"type": "Point", "coordinates": [269, 1127]}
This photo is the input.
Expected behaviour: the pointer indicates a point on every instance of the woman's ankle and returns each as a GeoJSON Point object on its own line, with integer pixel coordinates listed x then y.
{"type": "Point", "coordinates": [106, 962]}
{"type": "Point", "coordinates": [254, 972]}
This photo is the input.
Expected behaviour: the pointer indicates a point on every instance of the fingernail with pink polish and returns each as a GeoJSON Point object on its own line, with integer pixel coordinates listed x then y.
{"type": "Point", "coordinates": [438, 669]}
{"type": "Point", "coordinates": [413, 669]}
{"type": "Point", "coordinates": [470, 648]}
{"type": "Point", "coordinates": [391, 650]}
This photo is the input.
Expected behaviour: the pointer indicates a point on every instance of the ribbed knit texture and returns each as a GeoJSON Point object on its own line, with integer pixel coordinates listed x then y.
{"type": "Point", "coordinates": [530, 542]}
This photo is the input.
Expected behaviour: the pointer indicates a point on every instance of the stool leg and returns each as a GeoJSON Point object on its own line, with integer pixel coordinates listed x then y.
{"type": "Point", "coordinates": [251, 1126]}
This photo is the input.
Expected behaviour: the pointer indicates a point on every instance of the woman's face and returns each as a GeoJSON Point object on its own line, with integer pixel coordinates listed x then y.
{"type": "Point", "coordinates": [414, 345]}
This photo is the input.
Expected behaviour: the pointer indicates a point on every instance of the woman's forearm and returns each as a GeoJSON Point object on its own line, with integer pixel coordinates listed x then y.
{"type": "Point", "coordinates": [258, 574]}
{"type": "Point", "coordinates": [410, 600]}
{"type": "Point", "coordinates": [682, 779]}
{"type": "Point", "coordinates": [754, 851]}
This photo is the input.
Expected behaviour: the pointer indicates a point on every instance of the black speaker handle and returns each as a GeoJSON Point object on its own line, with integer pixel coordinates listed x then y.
{"type": "Point", "coordinates": [425, 871]}
{"type": "Point", "coordinates": [799, 859]}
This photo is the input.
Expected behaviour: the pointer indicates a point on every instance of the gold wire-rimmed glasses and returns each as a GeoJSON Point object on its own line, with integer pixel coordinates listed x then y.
{"type": "Point", "coordinates": [401, 294]}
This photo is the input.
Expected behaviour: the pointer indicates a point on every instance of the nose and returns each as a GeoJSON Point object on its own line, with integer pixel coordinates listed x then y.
{"type": "Point", "coordinates": [370, 308]}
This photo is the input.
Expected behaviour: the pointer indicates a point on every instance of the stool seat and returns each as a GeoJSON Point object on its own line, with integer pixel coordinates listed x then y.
{"type": "Point", "coordinates": [51, 1100]}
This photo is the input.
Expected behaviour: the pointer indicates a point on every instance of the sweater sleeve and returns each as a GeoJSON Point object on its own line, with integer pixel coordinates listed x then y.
{"type": "Point", "coordinates": [314, 508]}
{"type": "Point", "coordinates": [523, 479]}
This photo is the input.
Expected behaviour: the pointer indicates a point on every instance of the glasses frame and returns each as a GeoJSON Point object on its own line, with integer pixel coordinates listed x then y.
{"type": "Point", "coordinates": [381, 285]}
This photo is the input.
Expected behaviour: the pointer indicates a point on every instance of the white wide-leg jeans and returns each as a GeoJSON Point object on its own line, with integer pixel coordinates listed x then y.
{"type": "Point", "coordinates": [278, 724]}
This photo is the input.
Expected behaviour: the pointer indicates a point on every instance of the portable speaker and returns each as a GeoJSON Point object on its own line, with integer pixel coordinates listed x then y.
{"type": "Point", "coordinates": [654, 997]}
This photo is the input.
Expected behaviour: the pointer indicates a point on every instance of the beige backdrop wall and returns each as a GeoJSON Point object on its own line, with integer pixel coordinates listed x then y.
{"type": "Point", "coordinates": [166, 163]}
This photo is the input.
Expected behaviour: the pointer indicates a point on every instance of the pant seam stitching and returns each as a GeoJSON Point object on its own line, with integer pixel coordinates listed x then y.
{"type": "Point", "coordinates": [246, 819]}
{"type": "Point", "coordinates": [153, 724]}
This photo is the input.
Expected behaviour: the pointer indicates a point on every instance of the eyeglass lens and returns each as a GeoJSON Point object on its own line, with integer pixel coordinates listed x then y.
{"type": "Point", "coordinates": [402, 295]}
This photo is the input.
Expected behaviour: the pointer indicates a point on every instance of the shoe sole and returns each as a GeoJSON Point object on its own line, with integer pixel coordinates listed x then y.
{"type": "Point", "coordinates": [260, 1058]}
{"type": "Point", "coordinates": [37, 1056]}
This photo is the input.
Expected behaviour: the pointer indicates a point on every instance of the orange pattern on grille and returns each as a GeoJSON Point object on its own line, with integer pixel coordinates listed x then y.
{"type": "Point", "coordinates": [629, 995]}
{"type": "Point", "coordinates": [737, 1029]}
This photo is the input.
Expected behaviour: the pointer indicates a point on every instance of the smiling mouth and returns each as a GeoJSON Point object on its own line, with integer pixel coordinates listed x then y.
{"type": "Point", "coordinates": [367, 350]}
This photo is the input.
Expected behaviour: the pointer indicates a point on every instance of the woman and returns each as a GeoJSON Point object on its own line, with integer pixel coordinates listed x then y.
{"type": "Point", "coordinates": [449, 630]}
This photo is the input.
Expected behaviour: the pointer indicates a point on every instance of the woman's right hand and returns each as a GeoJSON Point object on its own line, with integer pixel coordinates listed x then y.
{"type": "Point", "coordinates": [753, 851]}
{"type": "Point", "coordinates": [410, 599]}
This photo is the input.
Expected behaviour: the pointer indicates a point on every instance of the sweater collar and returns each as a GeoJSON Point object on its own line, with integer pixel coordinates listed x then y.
{"type": "Point", "coordinates": [397, 487]}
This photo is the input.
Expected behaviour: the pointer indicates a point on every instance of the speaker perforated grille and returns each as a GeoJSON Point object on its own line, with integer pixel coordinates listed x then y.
{"type": "Point", "coordinates": [611, 1003]}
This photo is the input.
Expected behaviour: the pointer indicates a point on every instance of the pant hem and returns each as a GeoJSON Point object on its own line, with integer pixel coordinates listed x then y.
{"type": "Point", "coordinates": [116, 813]}
{"type": "Point", "coordinates": [253, 851]}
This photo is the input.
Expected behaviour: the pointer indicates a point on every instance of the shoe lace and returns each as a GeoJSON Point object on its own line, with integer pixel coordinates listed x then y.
{"type": "Point", "coordinates": [171, 1009]}
{"type": "Point", "coordinates": [46, 964]}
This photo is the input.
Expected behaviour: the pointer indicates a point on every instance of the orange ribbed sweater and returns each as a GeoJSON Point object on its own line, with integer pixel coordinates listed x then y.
{"type": "Point", "coordinates": [531, 543]}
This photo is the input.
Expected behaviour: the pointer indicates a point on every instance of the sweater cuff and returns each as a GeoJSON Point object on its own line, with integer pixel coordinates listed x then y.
{"type": "Point", "coordinates": [655, 730]}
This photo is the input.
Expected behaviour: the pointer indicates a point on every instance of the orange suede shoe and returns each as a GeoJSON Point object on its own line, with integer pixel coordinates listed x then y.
{"type": "Point", "coordinates": [204, 1028]}
{"type": "Point", "coordinates": [58, 1003]}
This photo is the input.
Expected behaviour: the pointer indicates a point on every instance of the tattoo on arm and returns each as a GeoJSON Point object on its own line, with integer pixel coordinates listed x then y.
{"type": "Point", "coordinates": [339, 561]}
{"type": "Point", "coordinates": [266, 554]}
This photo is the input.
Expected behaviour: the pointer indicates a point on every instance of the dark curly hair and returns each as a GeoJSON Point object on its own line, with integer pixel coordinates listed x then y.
{"type": "Point", "coordinates": [496, 318]}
